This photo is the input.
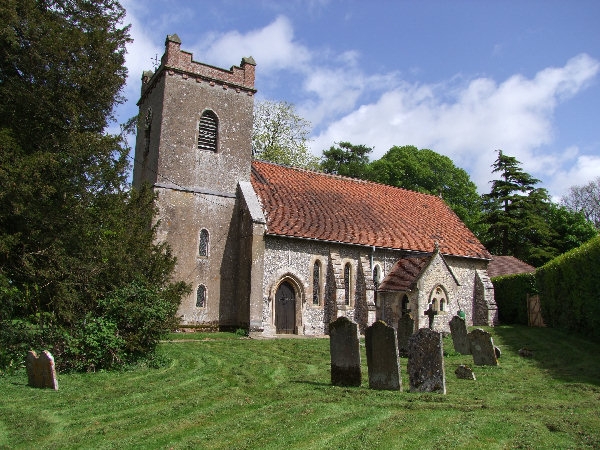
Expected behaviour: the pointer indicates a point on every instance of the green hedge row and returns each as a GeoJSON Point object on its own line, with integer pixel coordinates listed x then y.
{"type": "Point", "coordinates": [511, 296]}
{"type": "Point", "coordinates": [570, 290]}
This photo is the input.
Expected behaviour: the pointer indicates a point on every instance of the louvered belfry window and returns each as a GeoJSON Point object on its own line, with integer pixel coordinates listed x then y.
{"type": "Point", "coordinates": [208, 130]}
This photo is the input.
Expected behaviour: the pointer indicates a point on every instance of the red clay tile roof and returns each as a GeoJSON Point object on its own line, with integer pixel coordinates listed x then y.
{"type": "Point", "coordinates": [404, 274]}
{"type": "Point", "coordinates": [313, 205]}
{"type": "Point", "coordinates": [507, 265]}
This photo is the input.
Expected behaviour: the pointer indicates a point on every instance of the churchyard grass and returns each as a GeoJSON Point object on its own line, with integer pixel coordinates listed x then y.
{"type": "Point", "coordinates": [220, 391]}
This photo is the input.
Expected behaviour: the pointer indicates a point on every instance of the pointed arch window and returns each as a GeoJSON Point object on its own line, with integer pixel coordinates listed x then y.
{"type": "Point", "coordinates": [317, 283]}
{"type": "Point", "coordinates": [208, 131]}
{"type": "Point", "coordinates": [201, 296]}
{"type": "Point", "coordinates": [439, 299]}
{"type": "Point", "coordinates": [203, 243]}
{"type": "Point", "coordinates": [376, 276]}
{"type": "Point", "coordinates": [347, 283]}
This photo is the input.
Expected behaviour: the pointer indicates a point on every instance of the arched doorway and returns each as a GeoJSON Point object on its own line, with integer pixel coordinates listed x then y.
{"type": "Point", "coordinates": [285, 309]}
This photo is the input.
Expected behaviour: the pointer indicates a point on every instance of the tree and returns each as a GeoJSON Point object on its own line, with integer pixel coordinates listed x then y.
{"type": "Point", "coordinates": [571, 229]}
{"type": "Point", "coordinates": [281, 136]}
{"type": "Point", "coordinates": [585, 199]}
{"type": "Point", "coordinates": [347, 160]}
{"type": "Point", "coordinates": [72, 233]}
{"type": "Point", "coordinates": [514, 213]}
{"type": "Point", "coordinates": [431, 173]}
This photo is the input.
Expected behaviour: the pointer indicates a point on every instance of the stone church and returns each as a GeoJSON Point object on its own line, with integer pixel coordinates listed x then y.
{"type": "Point", "coordinates": [276, 249]}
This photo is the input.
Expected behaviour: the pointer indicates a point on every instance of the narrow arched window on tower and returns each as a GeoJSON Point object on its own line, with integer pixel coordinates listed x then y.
{"type": "Point", "coordinates": [208, 131]}
{"type": "Point", "coordinates": [201, 296]}
{"type": "Point", "coordinates": [203, 244]}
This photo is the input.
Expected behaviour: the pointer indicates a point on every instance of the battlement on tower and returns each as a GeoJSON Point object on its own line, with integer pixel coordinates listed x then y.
{"type": "Point", "coordinates": [180, 62]}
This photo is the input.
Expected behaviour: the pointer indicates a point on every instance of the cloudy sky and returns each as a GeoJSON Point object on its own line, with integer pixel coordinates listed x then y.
{"type": "Point", "coordinates": [463, 78]}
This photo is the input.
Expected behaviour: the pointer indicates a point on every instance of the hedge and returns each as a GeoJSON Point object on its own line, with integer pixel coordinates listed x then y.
{"type": "Point", "coordinates": [510, 292]}
{"type": "Point", "coordinates": [570, 291]}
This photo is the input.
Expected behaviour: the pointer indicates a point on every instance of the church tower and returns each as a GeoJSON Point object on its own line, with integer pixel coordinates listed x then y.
{"type": "Point", "coordinates": [194, 147]}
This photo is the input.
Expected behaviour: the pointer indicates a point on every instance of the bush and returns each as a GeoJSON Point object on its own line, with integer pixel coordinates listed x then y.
{"type": "Point", "coordinates": [510, 292]}
{"type": "Point", "coordinates": [125, 327]}
{"type": "Point", "coordinates": [569, 292]}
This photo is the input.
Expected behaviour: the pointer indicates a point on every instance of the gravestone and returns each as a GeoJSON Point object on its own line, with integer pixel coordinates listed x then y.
{"type": "Point", "coordinates": [426, 362]}
{"type": "Point", "coordinates": [41, 372]}
{"type": "Point", "coordinates": [345, 354]}
{"type": "Point", "coordinates": [482, 348]}
{"type": "Point", "coordinates": [464, 372]}
{"type": "Point", "coordinates": [458, 329]}
{"type": "Point", "coordinates": [382, 357]}
{"type": "Point", "coordinates": [406, 328]}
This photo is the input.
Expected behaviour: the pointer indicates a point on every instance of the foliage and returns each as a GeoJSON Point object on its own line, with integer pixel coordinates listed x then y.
{"type": "Point", "coordinates": [276, 393]}
{"type": "Point", "coordinates": [569, 290]}
{"type": "Point", "coordinates": [571, 229]}
{"type": "Point", "coordinates": [510, 293]}
{"type": "Point", "coordinates": [280, 135]}
{"type": "Point", "coordinates": [347, 160]}
{"type": "Point", "coordinates": [429, 172]}
{"type": "Point", "coordinates": [72, 233]}
{"type": "Point", "coordinates": [514, 213]}
{"type": "Point", "coordinates": [586, 200]}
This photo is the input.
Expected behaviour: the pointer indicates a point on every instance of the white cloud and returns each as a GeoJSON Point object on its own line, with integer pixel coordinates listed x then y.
{"type": "Point", "coordinates": [272, 47]}
{"type": "Point", "coordinates": [584, 169]}
{"type": "Point", "coordinates": [467, 122]}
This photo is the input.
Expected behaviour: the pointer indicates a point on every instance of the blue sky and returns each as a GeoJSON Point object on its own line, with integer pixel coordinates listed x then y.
{"type": "Point", "coordinates": [462, 78]}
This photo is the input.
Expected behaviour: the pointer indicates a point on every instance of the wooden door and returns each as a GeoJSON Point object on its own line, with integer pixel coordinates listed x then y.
{"type": "Point", "coordinates": [534, 311]}
{"type": "Point", "coordinates": [285, 309]}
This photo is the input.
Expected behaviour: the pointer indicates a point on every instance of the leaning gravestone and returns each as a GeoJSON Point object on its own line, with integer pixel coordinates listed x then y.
{"type": "Point", "coordinates": [382, 357]}
{"type": "Point", "coordinates": [41, 372]}
{"type": "Point", "coordinates": [458, 329]}
{"type": "Point", "coordinates": [406, 328]}
{"type": "Point", "coordinates": [426, 362]}
{"type": "Point", "coordinates": [345, 353]}
{"type": "Point", "coordinates": [482, 348]}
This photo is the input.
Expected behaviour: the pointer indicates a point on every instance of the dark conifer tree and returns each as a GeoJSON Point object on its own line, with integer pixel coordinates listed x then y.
{"type": "Point", "coordinates": [514, 213]}
{"type": "Point", "coordinates": [73, 237]}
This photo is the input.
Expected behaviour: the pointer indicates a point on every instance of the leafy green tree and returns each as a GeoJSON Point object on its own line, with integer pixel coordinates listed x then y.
{"type": "Point", "coordinates": [281, 136]}
{"type": "Point", "coordinates": [72, 233]}
{"type": "Point", "coordinates": [431, 173]}
{"type": "Point", "coordinates": [571, 229]}
{"type": "Point", "coordinates": [514, 213]}
{"type": "Point", "coordinates": [347, 160]}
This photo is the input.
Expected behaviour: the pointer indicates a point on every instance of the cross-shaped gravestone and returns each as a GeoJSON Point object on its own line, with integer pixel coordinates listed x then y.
{"type": "Point", "coordinates": [431, 313]}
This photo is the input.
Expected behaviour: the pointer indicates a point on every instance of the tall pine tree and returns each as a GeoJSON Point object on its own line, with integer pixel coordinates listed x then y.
{"type": "Point", "coordinates": [514, 212]}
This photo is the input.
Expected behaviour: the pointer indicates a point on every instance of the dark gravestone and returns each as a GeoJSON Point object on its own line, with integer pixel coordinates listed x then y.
{"type": "Point", "coordinates": [406, 328]}
{"type": "Point", "coordinates": [458, 328]}
{"type": "Point", "coordinates": [382, 357]}
{"type": "Point", "coordinates": [482, 348]}
{"type": "Point", "coordinates": [41, 372]}
{"type": "Point", "coordinates": [464, 372]}
{"type": "Point", "coordinates": [426, 362]}
{"type": "Point", "coordinates": [345, 353]}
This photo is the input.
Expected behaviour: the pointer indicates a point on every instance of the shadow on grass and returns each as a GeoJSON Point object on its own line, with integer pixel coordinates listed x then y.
{"type": "Point", "coordinates": [564, 356]}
